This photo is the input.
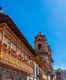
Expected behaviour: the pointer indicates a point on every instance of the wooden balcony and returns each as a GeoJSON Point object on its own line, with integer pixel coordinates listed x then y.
{"type": "Point", "coordinates": [9, 60]}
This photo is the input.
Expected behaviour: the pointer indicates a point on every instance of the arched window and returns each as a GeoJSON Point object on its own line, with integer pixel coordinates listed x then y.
{"type": "Point", "coordinates": [39, 46]}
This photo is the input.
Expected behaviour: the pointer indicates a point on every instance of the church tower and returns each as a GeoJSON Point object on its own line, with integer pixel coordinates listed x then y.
{"type": "Point", "coordinates": [40, 44]}
{"type": "Point", "coordinates": [43, 51]}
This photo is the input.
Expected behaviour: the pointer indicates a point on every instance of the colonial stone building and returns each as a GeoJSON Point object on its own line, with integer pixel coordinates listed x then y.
{"type": "Point", "coordinates": [60, 74]}
{"type": "Point", "coordinates": [15, 52]}
{"type": "Point", "coordinates": [18, 60]}
{"type": "Point", "coordinates": [43, 51]}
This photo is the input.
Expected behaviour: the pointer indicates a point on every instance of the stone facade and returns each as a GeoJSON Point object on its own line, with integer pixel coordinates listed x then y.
{"type": "Point", "coordinates": [9, 74]}
{"type": "Point", "coordinates": [16, 53]}
{"type": "Point", "coordinates": [60, 74]}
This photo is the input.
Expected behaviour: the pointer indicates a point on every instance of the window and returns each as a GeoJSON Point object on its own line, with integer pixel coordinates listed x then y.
{"type": "Point", "coordinates": [25, 54]}
{"type": "Point", "coordinates": [13, 46]}
{"type": "Point", "coordinates": [13, 43]}
{"type": "Point", "coordinates": [19, 48]}
{"type": "Point", "coordinates": [39, 39]}
{"type": "Point", "coordinates": [26, 57]}
{"type": "Point", "coordinates": [13, 50]}
{"type": "Point", "coordinates": [6, 41]}
{"type": "Point", "coordinates": [19, 45]}
{"type": "Point", "coordinates": [18, 51]}
{"type": "Point", "coordinates": [39, 46]}
{"type": "Point", "coordinates": [31, 62]}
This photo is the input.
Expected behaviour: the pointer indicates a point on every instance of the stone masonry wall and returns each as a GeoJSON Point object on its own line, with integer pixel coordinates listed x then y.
{"type": "Point", "coordinates": [9, 74]}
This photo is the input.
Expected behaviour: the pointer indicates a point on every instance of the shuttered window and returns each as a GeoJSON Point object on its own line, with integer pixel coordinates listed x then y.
{"type": "Point", "coordinates": [13, 46]}
{"type": "Point", "coordinates": [18, 51]}
{"type": "Point", "coordinates": [13, 43]}
{"type": "Point", "coordinates": [26, 57]}
{"type": "Point", "coordinates": [6, 41]}
{"type": "Point", "coordinates": [18, 48]}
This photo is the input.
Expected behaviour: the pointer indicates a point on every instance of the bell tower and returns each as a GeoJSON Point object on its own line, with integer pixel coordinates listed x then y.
{"type": "Point", "coordinates": [40, 44]}
{"type": "Point", "coordinates": [43, 51]}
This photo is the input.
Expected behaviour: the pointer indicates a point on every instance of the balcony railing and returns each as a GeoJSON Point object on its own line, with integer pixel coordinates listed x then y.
{"type": "Point", "coordinates": [12, 50]}
{"type": "Point", "coordinates": [8, 57]}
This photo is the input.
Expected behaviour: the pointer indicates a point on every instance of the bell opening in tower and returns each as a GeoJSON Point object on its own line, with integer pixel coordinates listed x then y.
{"type": "Point", "coordinates": [39, 46]}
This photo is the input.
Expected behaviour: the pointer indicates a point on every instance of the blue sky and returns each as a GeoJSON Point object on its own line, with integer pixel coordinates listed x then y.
{"type": "Point", "coordinates": [46, 16]}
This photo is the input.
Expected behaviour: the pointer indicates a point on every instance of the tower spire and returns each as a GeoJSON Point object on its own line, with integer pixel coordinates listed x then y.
{"type": "Point", "coordinates": [40, 33]}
